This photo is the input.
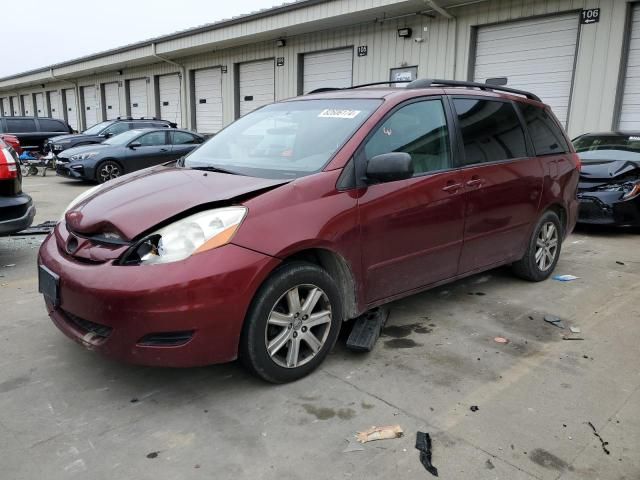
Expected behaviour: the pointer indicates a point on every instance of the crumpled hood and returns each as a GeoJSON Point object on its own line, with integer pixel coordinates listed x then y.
{"type": "Point", "coordinates": [606, 170]}
{"type": "Point", "coordinates": [137, 202]}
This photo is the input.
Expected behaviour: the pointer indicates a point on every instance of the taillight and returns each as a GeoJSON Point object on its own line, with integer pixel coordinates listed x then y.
{"type": "Point", "coordinates": [8, 166]}
{"type": "Point", "coordinates": [576, 161]}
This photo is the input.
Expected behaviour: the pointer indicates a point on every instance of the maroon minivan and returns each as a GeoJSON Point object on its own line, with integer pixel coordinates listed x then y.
{"type": "Point", "coordinates": [306, 213]}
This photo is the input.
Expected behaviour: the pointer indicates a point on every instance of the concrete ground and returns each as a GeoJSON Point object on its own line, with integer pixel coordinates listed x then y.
{"type": "Point", "coordinates": [66, 412]}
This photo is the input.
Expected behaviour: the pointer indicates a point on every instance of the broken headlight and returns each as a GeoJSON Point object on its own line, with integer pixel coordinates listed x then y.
{"type": "Point", "coordinates": [629, 189]}
{"type": "Point", "coordinates": [187, 236]}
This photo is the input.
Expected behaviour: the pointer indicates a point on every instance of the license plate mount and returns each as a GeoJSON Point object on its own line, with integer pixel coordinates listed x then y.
{"type": "Point", "coordinates": [49, 285]}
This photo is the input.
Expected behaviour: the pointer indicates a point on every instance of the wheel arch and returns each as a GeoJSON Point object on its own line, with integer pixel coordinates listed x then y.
{"type": "Point", "coordinates": [561, 211]}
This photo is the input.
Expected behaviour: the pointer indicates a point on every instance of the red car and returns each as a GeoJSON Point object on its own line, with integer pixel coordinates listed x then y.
{"type": "Point", "coordinates": [12, 141]}
{"type": "Point", "coordinates": [306, 213]}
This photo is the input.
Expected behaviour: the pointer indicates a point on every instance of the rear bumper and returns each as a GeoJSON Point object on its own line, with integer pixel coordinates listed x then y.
{"type": "Point", "coordinates": [116, 309]}
{"type": "Point", "coordinates": [26, 212]}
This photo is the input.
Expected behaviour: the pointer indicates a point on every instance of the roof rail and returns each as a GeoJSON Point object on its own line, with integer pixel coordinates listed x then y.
{"type": "Point", "coordinates": [427, 83]}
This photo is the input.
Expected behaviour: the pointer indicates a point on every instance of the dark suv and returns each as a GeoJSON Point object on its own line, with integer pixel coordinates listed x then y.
{"type": "Point", "coordinates": [32, 132]}
{"type": "Point", "coordinates": [103, 130]}
{"type": "Point", "coordinates": [307, 213]}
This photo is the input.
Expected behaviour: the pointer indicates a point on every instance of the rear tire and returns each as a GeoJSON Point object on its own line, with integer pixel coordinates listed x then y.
{"type": "Point", "coordinates": [292, 324]}
{"type": "Point", "coordinates": [543, 250]}
{"type": "Point", "coordinates": [108, 170]}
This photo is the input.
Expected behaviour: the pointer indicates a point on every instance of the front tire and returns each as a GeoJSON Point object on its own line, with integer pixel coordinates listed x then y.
{"type": "Point", "coordinates": [543, 250]}
{"type": "Point", "coordinates": [108, 171]}
{"type": "Point", "coordinates": [293, 323]}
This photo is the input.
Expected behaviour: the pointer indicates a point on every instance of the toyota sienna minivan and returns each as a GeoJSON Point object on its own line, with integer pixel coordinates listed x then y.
{"type": "Point", "coordinates": [307, 213]}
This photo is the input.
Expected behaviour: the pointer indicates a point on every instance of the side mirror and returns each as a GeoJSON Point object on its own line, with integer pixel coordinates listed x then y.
{"type": "Point", "coordinates": [134, 145]}
{"type": "Point", "coordinates": [390, 167]}
{"type": "Point", "coordinates": [107, 135]}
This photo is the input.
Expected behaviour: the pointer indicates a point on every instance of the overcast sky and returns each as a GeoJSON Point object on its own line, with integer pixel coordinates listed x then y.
{"type": "Point", "coordinates": [38, 33]}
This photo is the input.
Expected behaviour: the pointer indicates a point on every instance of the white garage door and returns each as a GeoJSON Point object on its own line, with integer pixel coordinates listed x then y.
{"type": "Point", "coordinates": [41, 110]}
{"type": "Point", "coordinates": [208, 100]}
{"type": "Point", "coordinates": [15, 105]}
{"type": "Point", "coordinates": [331, 68]}
{"type": "Point", "coordinates": [111, 100]}
{"type": "Point", "coordinates": [72, 107]}
{"type": "Point", "coordinates": [90, 106]}
{"type": "Point", "coordinates": [169, 89]}
{"type": "Point", "coordinates": [138, 98]}
{"type": "Point", "coordinates": [6, 107]}
{"type": "Point", "coordinates": [257, 85]}
{"type": "Point", "coordinates": [630, 107]}
{"type": "Point", "coordinates": [535, 55]}
{"type": "Point", "coordinates": [55, 105]}
{"type": "Point", "coordinates": [27, 105]}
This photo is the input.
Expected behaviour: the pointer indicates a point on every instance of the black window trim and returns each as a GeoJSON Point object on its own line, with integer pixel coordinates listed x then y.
{"type": "Point", "coordinates": [554, 120]}
{"type": "Point", "coordinates": [350, 181]}
{"type": "Point", "coordinates": [460, 141]}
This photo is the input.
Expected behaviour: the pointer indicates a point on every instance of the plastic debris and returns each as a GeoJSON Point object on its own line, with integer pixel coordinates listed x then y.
{"type": "Point", "coordinates": [474, 408]}
{"type": "Point", "coordinates": [575, 329]}
{"type": "Point", "coordinates": [500, 340]}
{"type": "Point", "coordinates": [380, 433]}
{"type": "Point", "coordinates": [10, 265]}
{"type": "Point", "coordinates": [352, 446]}
{"type": "Point", "coordinates": [565, 278]}
{"type": "Point", "coordinates": [555, 321]}
{"type": "Point", "coordinates": [423, 443]}
{"type": "Point", "coordinates": [572, 337]}
{"type": "Point", "coordinates": [619, 262]}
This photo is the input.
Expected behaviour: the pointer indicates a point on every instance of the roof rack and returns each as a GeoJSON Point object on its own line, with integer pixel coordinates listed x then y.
{"type": "Point", "coordinates": [427, 82]}
{"type": "Point", "coordinates": [372, 84]}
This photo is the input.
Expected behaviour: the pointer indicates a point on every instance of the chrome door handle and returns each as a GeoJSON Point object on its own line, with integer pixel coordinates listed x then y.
{"type": "Point", "coordinates": [452, 187]}
{"type": "Point", "coordinates": [475, 182]}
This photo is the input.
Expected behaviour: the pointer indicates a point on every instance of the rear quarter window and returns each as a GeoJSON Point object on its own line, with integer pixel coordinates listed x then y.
{"type": "Point", "coordinates": [491, 130]}
{"type": "Point", "coordinates": [545, 133]}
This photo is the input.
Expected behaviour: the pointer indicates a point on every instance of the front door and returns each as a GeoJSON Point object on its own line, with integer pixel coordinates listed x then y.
{"type": "Point", "coordinates": [412, 229]}
{"type": "Point", "coordinates": [154, 149]}
{"type": "Point", "coordinates": [503, 184]}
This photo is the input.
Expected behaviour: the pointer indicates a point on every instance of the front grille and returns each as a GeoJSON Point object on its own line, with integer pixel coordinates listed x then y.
{"type": "Point", "coordinates": [86, 326]}
{"type": "Point", "coordinates": [593, 210]}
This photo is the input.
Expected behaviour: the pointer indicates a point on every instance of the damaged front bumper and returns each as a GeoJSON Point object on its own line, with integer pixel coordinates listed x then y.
{"type": "Point", "coordinates": [607, 208]}
{"type": "Point", "coordinates": [182, 314]}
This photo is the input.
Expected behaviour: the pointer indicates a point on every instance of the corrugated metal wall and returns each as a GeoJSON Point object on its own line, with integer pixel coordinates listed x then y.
{"type": "Point", "coordinates": [445, 52]}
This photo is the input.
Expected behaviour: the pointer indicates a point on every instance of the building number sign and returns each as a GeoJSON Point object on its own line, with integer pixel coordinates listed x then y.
{"type": "Point", "coordinates": [362, 51]}
{"type": "Point", "coordinates": [590, 15]}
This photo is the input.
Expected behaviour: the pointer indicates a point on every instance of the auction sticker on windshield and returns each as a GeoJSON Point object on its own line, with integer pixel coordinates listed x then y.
{"type": "Point", "coordinates": [338, 113]}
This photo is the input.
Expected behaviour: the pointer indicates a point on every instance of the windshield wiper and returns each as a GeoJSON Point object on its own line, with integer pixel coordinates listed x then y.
{"type": "Point", "coordinates": [212, 168]}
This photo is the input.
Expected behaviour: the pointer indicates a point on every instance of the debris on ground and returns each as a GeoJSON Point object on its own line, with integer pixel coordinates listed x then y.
{"type": "Point", "coordinates": [380, 433]}
{"type": "Point", "coordinates": [572, 337]}
{"type": "Point", "coordinates": [555, 321]}
{"type": "Point", "coordinates": [10, 265]}
{"type": "Point", "coordinates": [352, 446]}
{"type": "Point", "coordinates": [489, 464]}
{"type": "Point", "coordinates": [153, 454]}
{"type": "Point", "coordinates": [423, 443]}
{"type": "Point", "coordinates": [619, 262]}
{"type": "Point", "coordinates": [575, 329]}
{"type": "Point", "coordinates": [44, 228]}
{"type": "Point", "coordinates": [474, 408]}
{"type": "Point", "coordinates": [500, 340]}
{"type": "Point", "coordinates": [565, 278]}
{"type": "Point", "coordinates": [602, 442]}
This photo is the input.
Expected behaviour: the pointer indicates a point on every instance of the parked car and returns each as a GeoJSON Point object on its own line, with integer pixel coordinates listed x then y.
{"type": "Point", "coordinates": [609, 188]}
{"type": "Point", "coordinates": [16, 208]}
{"type": "Point", "coordinates": [32, 132]}
{"type": "Point", "coordinates": [102, 131]}
{"type": "Point", "coordinates": [306, 213]}
{"type": "Point", "coordinates": [124, 153]}
{"type": "Point", "coordinates": [12, 141]}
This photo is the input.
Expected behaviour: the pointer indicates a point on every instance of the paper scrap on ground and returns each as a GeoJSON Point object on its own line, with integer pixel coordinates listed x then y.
{"type": "Point", "coordinates": [565, 278]}
{"type": "Point", "coordinates": [380, 433]}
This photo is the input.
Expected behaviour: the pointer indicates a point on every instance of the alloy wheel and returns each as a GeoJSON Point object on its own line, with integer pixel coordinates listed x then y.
{"type": "Point", "coordinates": [546, 246]}
{"type": "Point", "coordinates": [298, 326]}
{"type": "Point", "coordinates": [109, 172]}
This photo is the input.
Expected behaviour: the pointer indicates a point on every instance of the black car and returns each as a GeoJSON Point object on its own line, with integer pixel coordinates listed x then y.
{"type": "Point", "coordinates": [609, 188]}
{"type": "Point", "coordinates": [130, 151]}
{"type": "Point", "coordinates": [16, 208]}
{"type": "Point", "coordinates": [33, 132]}
{"type": "Point", "coordinates": [102, 131]}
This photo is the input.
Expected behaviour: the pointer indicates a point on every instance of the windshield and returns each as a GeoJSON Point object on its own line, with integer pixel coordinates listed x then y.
{"type": "Point", "coordinates": [625, 143]}
{"type": "Point", "coordinates": [123, 138]}
{"type": "Point", "coordinates": [97, 128]}
{"type": "Point", "coordinates": [284, 140]}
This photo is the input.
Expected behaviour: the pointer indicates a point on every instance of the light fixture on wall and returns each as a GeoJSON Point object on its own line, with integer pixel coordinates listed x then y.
{"type": "Point", "coordinates": [119, 72]}
{"type": "Point", "coordinates": [281, 42]}
{"type": "Point", "coordinates": [404, 32]}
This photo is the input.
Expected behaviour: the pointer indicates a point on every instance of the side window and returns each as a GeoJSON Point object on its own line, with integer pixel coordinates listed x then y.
{"type": "Point", "coordinates": [545, 133]}
{"type": "Point", "coordinates": [117, 128]}
{"type": "Point", "coordinates": [183, 138]}
{"type": "Point", "coordinates": [153, 139]}
{"type": "Point", "coordinates": [491, 130]}
{"type": "Point", "coordinates": [419, 129]}
{"type": "Point", "coordinates": [51, 125]}
{"type": "Point", "coordinates": [20, 125]}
